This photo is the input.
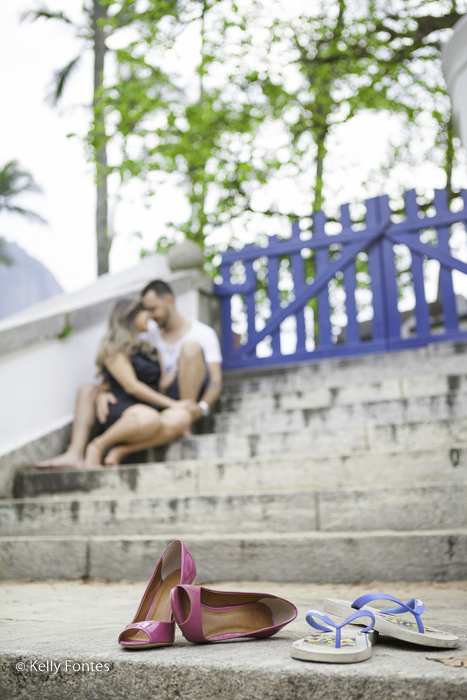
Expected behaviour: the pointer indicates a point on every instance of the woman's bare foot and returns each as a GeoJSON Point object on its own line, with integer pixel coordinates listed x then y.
{"type": "Point", "coordinates": [67, 460]}
{"type": "Point", "coordinates": [93, 456]}
{"type": "Point", "coordinates": [115, 455]}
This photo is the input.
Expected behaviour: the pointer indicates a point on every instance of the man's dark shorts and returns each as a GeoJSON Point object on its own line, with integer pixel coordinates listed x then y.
{"type": "Point", "coordinates": [174, 392]}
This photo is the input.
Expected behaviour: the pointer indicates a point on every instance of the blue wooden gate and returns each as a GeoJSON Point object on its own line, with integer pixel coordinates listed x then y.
{"type": "Point", "coordinates": [334, 258]}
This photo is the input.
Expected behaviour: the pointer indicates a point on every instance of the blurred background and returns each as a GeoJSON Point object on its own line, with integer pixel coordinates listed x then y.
{"type": "Point", "coordinates": [221, 120]}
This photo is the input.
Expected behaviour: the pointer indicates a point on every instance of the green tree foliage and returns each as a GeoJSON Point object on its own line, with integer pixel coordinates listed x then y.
{"type": "Point", "coordinates": [202, 132]}
{"type": "Point", "coordinates": [262, 70]}
{"type": "Point", "coordinates": [323, 67]}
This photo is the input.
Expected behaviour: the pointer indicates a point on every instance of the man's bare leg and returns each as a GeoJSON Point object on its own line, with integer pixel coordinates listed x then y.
{"type": "Point", "coordinates": [191, 373]}
{"type": "Point", "coordinates": [191, 370]}
{"type": "Point", "coordinates": [173, 423]}
{"type": "Point", "coordinates": [85, 416]}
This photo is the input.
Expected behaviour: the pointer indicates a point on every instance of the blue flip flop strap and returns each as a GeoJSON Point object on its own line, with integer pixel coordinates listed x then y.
{"type": "Point", "coordinates": [311, 614]}
{"type": "Point", "coordinates": [414, 606]}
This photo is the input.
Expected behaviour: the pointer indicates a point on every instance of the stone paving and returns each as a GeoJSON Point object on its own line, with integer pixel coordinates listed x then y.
{"type": "Point", "coordinates": [61, 623]}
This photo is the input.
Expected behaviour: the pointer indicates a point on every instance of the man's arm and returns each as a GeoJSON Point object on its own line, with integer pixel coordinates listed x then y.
{"type": "Point", "coordinates": [214, 386]}
{"type": "Point", "coordinates": [103, 398]}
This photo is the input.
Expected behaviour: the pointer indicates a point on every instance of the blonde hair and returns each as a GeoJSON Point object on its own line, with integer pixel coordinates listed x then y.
{"type": "Point", "coordinates": [121, 334]}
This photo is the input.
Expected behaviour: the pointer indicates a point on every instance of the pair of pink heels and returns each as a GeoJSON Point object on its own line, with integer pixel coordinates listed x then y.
{"type": "Point", "coordinates": [203, 615]}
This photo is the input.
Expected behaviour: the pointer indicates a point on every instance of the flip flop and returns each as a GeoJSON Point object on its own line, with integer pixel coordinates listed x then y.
{"type": "Point", "coordinates": [390, 622]}
{"type": "Point", "coordinates": [330, 646]}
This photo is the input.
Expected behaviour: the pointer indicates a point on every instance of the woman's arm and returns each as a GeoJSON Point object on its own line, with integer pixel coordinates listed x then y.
{"type": "Point", "coordinates": [122, 370]}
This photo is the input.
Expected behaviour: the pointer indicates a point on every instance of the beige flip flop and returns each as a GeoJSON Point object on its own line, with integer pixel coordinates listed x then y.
{"type": "Point", "coordinates": [342, 645]}
{"type": "Point", "coordinates": [394, 621]}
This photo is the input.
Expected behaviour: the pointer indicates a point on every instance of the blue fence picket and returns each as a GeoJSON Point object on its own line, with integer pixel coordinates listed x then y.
{"type": "Point", "coordinates": [352, 331]}
{"type": "Point", "coordinates": [273, 294]}
{"type": "Point", "coordinates": [298, 272]}
{"type": "Point", "coordinates": [448, 299]}
{"type": "Point", "coordinates": [250, 305]}
{"type": "Point", "coordinates": [321, 261]}
{"type": "Point", "coordinates": [226, 315]}
{"type": "Point", "coordinates": [422, 316]}
{"type": "Point", "coordinates": [375, 266]}
{"type": "Point", "coordinates": [389, 274]}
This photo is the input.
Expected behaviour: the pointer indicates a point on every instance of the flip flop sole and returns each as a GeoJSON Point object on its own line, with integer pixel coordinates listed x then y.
{"type": "Point", "coordinates": [320, 647]}
{"type": "Point", "coordinates": [396, 626]}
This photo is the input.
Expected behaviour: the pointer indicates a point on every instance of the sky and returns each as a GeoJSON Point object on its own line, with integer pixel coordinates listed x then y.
{"type": "Point", "coordinates": [36, 134]}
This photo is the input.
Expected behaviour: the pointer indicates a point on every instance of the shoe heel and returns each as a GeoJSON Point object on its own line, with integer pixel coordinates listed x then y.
{"type": "Point", "coordinates": [154, 624]}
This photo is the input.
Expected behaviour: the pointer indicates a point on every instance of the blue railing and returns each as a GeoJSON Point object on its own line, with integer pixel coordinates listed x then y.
{"type": "Point", "coordinates": [256, 306]}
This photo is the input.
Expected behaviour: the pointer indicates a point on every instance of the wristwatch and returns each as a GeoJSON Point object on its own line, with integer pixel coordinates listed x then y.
{"type": "Point", "coordinates": [205, 408]}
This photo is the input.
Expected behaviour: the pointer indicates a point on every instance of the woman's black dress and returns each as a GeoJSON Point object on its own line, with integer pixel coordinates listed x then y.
{"type": "Point", "coordinates": [147, 370]}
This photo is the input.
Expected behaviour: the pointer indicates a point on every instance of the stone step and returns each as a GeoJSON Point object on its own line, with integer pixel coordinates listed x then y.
{"type": "Point", "coordinates": [438, 506]}
{"type": "Point", "coordinates": [432, 555]}
{"type": "Point", "coordinates": [395, 411]}
{"type": "Point", "coordinates": [88, 663]}
{"type": "Point", "coordinates": [322, 442]}
{"type": "Point", "coordinates": [172, 477]}
{"type": "Point", "coordinates": [438, 360]}
{"type": "Point", "coordinates": [328, 394]}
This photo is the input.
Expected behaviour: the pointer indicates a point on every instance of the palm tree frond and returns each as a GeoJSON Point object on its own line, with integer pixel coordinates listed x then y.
{"type": "Point", "coordinates": [15, 181]}
{"type": "Point", "coordinates": [60, 79]}
{"type": "Point", "coordinates": [27, 213]}
{"type": "Point", "coordinates": [44, 13]}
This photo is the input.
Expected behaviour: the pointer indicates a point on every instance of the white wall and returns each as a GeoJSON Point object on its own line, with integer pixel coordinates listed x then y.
{"type": "Point", "coordinates": [39, 383]}
{"type": "Point", "coordinates": [454, 61]}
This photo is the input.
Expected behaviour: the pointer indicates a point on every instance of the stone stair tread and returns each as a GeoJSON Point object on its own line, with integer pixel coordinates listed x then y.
{"type": "Point", "coordinates": [438, 359]}
{"type": "Point", "coordinates": [330, 398]}
{"type": "Point", "coordinates": [128, 497]}
{"type": "Point", "coordinates": [392, 506]}
{"type": "Point", "coordinates": [97, 612]}
{"type": "Point", "coordinates": [394, 411]}
{"type": "Point", "coordinates": [265, 473]}
{"type": "Point", "coordinates": [262, 535]}
{"type": "Point", "coordinates": [437, 555]}
{"type": "Point", "coordinates": [458, 422]}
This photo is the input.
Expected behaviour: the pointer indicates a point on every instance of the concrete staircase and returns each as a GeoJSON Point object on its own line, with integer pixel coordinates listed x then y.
{"type": "Point", "coordinates": [337, 471]}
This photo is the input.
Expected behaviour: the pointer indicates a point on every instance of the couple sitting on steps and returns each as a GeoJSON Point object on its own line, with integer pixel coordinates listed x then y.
{"type": "Point", "coordinates": [160, 372]}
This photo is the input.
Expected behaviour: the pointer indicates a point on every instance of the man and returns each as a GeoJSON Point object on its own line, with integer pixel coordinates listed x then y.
{"type": "Point", "coordinates": [191, 356]}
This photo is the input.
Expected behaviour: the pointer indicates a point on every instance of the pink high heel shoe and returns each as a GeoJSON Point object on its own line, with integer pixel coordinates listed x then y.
{"type": "Point", "coordinates": [153, 624]}
{"type": "Point", "coordinates": [204, 615]}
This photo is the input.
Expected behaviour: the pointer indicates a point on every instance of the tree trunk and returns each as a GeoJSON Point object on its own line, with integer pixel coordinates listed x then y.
{"type": "Point", "coordinates": [320, 156]}
{"type": "Point", "coordinates": [103, 240]}
{"type": "Point", "coordinates": [449, 157]}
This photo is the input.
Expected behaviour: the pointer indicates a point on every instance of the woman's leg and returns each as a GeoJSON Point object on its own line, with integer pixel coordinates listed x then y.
{"type": "Point", "coordinates": [85, 416]}
{"type": "Point", "coordinates": [173, 423]}
{"type": "Point", "coordinates": [136, 424]}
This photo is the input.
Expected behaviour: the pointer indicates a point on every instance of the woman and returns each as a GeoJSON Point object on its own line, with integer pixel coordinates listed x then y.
{"type": "Point", "coordinates": [133, 372]}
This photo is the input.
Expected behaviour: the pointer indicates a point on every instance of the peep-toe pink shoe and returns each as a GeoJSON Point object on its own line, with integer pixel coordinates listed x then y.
{"type": "Point", "coordinates": [153, 624]}
{"type": "Point", "coordinates": [204, 615]}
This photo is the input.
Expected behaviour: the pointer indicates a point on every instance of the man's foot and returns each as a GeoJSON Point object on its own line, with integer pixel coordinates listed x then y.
{"type": "Point", "coordinates": [93, 456]}
{"type": "Point", "coordinates": [67, 460]}
{"type": "Point", "coordinates": [115, 456]}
